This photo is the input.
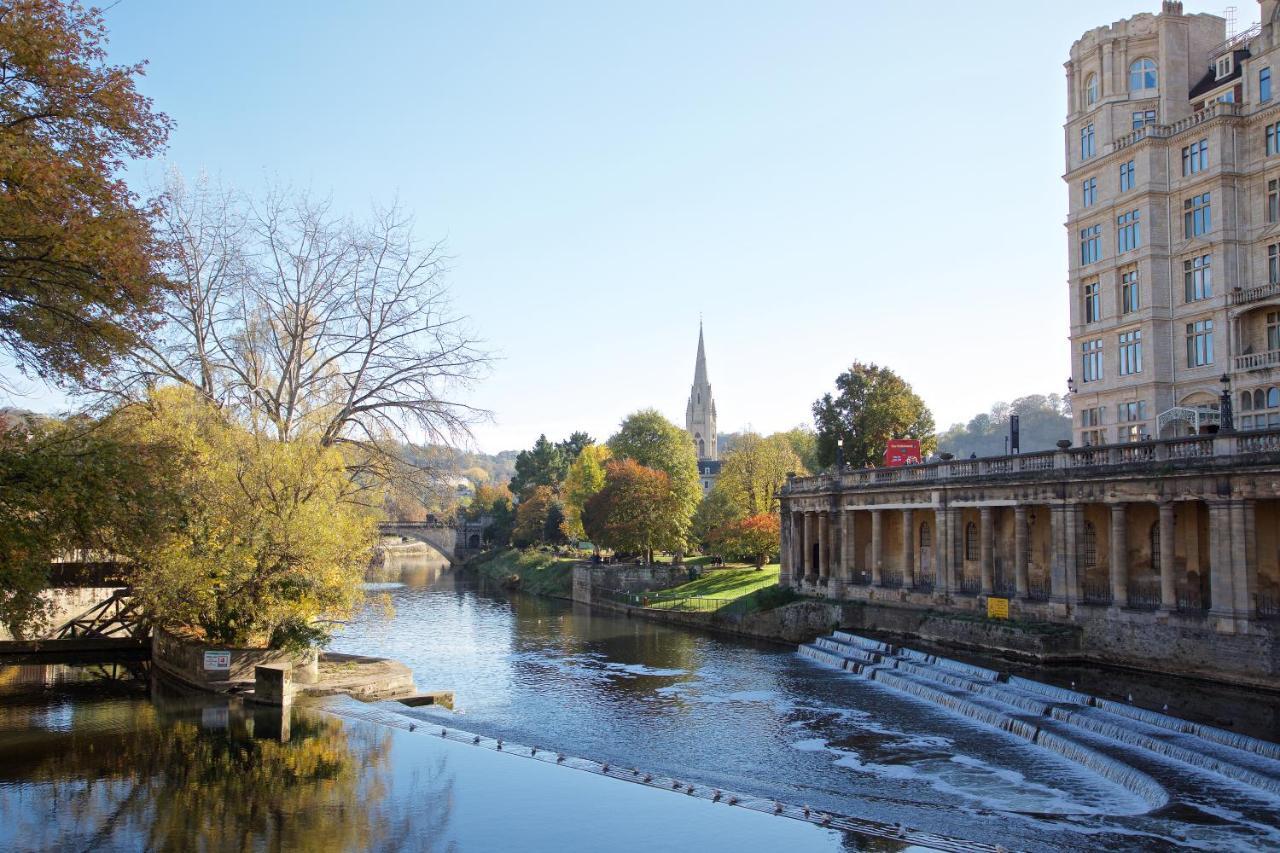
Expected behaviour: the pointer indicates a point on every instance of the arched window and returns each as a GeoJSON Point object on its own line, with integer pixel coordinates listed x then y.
{"type": "Point", "coordinates": [1246, 401]}
{"type": "Point", "coordinates": [1155, 546]}
{"type": "Point", "coordinates": [1091, 90]}
{"type": "Point", "coordinates": [926, 536]}
{"type": "Point", "coordinates": [1142, 75]}
{"type": "Point", "coordinates": [1273, 397]}
{"type": "Point", "coordinates": [971, 541]}
{"type": "Point", "coordinates": [1089, 545]}
{"type": "Point", "coordinates": [1259, 401]}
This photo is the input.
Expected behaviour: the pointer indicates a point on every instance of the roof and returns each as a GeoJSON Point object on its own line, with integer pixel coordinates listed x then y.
{"type": "Point", "coordinates": [1209, 81]}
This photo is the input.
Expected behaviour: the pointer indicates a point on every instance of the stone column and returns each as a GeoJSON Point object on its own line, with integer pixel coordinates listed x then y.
{"type": "Point", "coordinates": [1244, 544]}
{"type": "Point", "coordinates": [810, 536]}
{"type": "Point", "coordinates": [1064, 581]}
{"type": "Point", "coordinates": [1168, 578]}
{"type": "Point", "coordinates": [948, 549]}
{"type": "Point", "coordinates": [823, 555]}
{"type": "Point", "coordinates": [877, 545]}
{"type": "Point", "coordinates": [849, 531]}
{"type": "Point", "coordinates": [1020, 531]}
{"type": "Point", "coordinates": [908, 549]}
{"type": "Point", "coordinates": [846, 531]}
{"type": "Point", "coordinates": [986, 549]}
{"type": "Point", "coordinates": [1119, 556]}
{"type": "Point", "coordinates": [1221, 571]}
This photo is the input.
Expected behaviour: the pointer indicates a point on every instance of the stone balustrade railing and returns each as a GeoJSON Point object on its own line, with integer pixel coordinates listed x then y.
{"type": "Point", "coordinates": [1258, 360]}
{"type": "Point", "coordinates": [1245, 295]}
{"type": "Point", "coordinates": [1161, 131]}
{"type": "Point", "coordinates": [1072, 459]}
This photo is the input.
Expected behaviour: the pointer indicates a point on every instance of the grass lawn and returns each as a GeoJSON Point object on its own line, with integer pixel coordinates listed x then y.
{"type": "Point", "coordinates": [731, 590]}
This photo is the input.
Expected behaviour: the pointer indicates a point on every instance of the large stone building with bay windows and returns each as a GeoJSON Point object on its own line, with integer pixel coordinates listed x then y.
{"type": "Point", "coordinates": [1154, 533]}
{"type": "Point", "coordinates": [1173, 165]}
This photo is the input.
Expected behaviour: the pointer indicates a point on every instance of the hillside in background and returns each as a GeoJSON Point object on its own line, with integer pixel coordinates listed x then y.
{"type": "Point", "coordinates": [1043, 421]}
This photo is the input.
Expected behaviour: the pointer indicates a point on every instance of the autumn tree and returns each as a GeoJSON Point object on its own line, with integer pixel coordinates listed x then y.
{"type": "Point", "coordinates": [649, 439]}
{"type": "Point", "coordinates": [756, 537]}
{"type": "Point", "coordinates": [497, 505]}
{"type": "Point", "coordinates": [267, 548]}
{"type": "Point", "coordinates": [638, 510]}
{"type": "Point", "coordinates": [715, 511]}
{"type": "Point", "coordinates": [754, 470]}
{"type": "Point", "coordinates": [538, 505]}
{"type": "Point", "coordinates": [79, 267]}
{"type": "Point", "coordinates": [585, 478]}
{"type": "Point", "coordinates": [871, 405]}
{"type": "Point", "coordinates": [543, 465]}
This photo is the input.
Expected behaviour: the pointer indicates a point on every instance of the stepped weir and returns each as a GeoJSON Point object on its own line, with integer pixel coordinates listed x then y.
{"type": "Point", "coordinates": [1147, 752]}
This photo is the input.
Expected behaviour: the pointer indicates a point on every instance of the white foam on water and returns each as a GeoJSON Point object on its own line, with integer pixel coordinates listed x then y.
{"type": "Point", "coordinates": [815, 744]}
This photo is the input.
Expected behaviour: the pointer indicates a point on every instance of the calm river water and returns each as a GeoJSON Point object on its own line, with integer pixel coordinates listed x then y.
{"type": "Point", "coordinates": [751, 717]}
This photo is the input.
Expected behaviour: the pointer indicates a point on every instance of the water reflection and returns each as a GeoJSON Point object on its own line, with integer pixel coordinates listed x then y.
{"type": "Point", "coordinates": [92, 762]}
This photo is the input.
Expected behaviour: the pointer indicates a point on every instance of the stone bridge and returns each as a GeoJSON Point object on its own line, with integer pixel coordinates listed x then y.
{"type": "Point", "coordinates": [455, 542]}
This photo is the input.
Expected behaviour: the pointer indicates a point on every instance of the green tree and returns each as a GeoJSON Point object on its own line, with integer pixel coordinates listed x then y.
{"type": "Point", "coordinates": [544, 465]}
{"type": "Point", "coordinates": [715, 511]}
{"type": "Point", "coordinates": [267, 549]}
{"type": "Point", "coordinates": [574, 444]}
{"type": "Point", "coordinates": [872, 405]}
{"type": "Point", "coordinates": [1043, 420]}
{"type": "Point", "coordinates": [495, 503]}
{"type": "Point", "coordinates": [752, 473]}
{"type": "Point", "coordinates": [638, 510]}
{"type": "Point", "coordinates": [804, 444]}
{"type": "Point", "coordinates": [585, 478]}
{"type": "Point", "coordinates": [649, 439]}
{"type": "Point", "coordinates": [79, 266]}
{"type": "Point", "coordinates": [74, 485]}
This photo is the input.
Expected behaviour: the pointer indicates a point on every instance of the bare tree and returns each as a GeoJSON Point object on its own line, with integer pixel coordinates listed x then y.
{"type": "Point", "coordinates": [305, 323]}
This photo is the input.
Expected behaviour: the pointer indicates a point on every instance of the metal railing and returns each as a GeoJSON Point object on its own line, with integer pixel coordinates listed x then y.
{"type": "Point", "coordinates": [1004, 585]}
{"type": "Point", "coordinates": [924, 584]}
{"type": "Point", "coordinates": [1038, 589]}
{"type": "Point", "coordinates": [1096, 592]}
{"type": "Point", "coordinates": [891, 578]}
{"type": "Point", "coordinates": [969, 585]}
{"type": "Point", "coordinates": [657, 601]}
{"type": "Point", "coordinates": [1144, 594]}
{"type": "Point", "coordinates": [1190, 600]}
{"type": "Point", "coordinates": [1269, 605]}
{"type": "Point", "coordinates": [860, 577]}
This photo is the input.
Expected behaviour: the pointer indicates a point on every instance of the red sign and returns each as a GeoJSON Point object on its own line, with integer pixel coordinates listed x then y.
{"type": "Point", "coordinates": [902, 451]}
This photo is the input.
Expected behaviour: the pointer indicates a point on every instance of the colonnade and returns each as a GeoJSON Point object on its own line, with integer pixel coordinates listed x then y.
{"type": "Point", "coordinates": [1192, 554]}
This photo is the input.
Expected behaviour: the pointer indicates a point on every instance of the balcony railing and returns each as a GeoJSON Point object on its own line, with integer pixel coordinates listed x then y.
{"type": "Point", "coordinates": [1207, 448]}
{"type": "Point", "coordinates": [1245, 295]}
{"type": "Point", "coordinates": [1162, 131]}
{"type": "Point", "coordinates": [1258, 360]}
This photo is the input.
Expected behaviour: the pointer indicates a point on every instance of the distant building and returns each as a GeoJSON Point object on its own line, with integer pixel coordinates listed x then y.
{"type": "Point", "coordinates": [700, 420]}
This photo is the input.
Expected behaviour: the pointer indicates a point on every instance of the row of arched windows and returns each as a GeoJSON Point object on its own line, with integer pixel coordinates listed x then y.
{"type": "Point", "coordinates": [1143, 77]}
{"type": "Point", "coordinates": [1088, 543]}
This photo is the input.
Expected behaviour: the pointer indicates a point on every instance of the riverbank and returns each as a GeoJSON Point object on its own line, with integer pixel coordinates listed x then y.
{"type": "Point", "coordinates": [531, 570]}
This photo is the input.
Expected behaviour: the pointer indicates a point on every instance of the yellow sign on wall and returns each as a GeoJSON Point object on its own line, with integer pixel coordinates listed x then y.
{"type": "Point", "coordinates": [997, 608]}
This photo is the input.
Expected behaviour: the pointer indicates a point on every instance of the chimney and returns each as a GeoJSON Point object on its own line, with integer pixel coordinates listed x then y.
{"type": "Point", "coordinates": [1171, 7]}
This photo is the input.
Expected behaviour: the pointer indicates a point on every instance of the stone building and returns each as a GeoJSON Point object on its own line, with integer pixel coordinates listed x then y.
{"type": "Point", "coordinates": [1172, 144]}
{"type": "Point", "coordinates": [700, 420]}
{"type": "Point", "coordinates": [1156, 539]}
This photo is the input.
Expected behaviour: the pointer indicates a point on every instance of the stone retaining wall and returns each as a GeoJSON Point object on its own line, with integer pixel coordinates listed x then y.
{"type": "Point", "coordinates": [589, 578]}
{"type": "Point", "coordinates": [184, 659]}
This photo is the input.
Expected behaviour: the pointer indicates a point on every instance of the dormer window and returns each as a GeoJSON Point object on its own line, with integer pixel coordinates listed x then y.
{"type": "Point", "coordinates": [1224, 66]}
{"type": "Point", "coordinates": [1091, 90]}
{"type": "Point", "coordinates": [1142, 75]}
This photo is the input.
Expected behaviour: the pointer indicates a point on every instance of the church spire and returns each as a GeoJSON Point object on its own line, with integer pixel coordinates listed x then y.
{"type": "Point", "coordinates": [700, 368]}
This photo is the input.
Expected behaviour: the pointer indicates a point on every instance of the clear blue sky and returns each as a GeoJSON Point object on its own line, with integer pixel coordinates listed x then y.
{"type": "Point", "coordinates": [822, 181]}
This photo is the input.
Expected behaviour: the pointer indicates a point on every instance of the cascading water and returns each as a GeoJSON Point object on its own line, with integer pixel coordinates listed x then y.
{"type": "Point", "coordinates": [1108, 738]}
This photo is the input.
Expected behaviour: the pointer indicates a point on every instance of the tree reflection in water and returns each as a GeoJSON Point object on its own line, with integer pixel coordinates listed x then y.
{"type": "Point", "coordinates": [165, 775]}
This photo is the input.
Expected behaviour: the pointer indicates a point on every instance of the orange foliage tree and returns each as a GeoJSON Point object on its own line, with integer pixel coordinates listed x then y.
{"type": "Point", "coordinates": [79, 265]}
{"type": "Point", "coordinates": [755, 537]}
{"type": "Point", "coordinates": [637, 510]}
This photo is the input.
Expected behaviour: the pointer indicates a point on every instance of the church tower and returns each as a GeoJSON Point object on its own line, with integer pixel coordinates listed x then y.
{"type": "Point", "coordinates": [700, 414]}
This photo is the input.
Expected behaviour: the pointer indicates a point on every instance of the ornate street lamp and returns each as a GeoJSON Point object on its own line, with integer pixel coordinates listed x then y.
{"type": "Point", "coordinates": [1226, 423]}
{"type": "Point", "coordinates": [840, 454]}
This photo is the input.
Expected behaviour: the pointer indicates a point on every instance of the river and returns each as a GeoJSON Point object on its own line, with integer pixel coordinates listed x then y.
{"type": "Point", "coordinates": [746, 716]}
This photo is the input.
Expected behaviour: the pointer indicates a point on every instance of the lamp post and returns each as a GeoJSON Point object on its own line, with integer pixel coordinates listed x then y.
{"type": "Point", "coordinates": [1226, 423]}
{"type": "Point", "coordinates": [840, 454]}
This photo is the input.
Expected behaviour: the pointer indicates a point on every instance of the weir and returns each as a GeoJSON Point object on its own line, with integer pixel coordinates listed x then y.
{"type": "Point", "coordinates": [1144, 751]}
